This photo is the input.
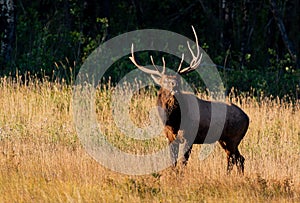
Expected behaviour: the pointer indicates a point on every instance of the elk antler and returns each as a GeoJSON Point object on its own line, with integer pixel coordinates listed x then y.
{"type": "Point", "coordinates": [196, 58]}
{"type": "Point", "coordinates": [193, 65]}
{"type": "Point", "coordinates": [146, 70]}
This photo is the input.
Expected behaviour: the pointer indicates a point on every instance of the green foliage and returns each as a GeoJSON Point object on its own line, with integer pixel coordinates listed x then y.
{"type": "Point", "coordinates": [280, 78]}
{"type": "Point", "coordinates": [54, 38]}
{"type": "Point", "coordinates": [51, 45]}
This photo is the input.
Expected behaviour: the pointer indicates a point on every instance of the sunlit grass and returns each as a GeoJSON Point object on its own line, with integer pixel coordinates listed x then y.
{"type": "Point", "coordinates": [42, 160]}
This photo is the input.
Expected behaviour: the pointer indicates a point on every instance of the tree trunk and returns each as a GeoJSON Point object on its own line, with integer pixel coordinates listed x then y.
{"type": "Point", "coordinates": [292, 23]}
{"type": "Point", "coordinates": [245, 30]}
{"type": "Point", "coordinates": [7, 28]}
{"type": "Point", "coordinates": [227, 6]}
{"type": "Point", "coordinates": [139, 13]}
{"type": "Point", "coordinates": [282, 30]}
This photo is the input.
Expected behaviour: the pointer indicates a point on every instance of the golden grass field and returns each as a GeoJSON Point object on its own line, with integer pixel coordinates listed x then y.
{"type": "Point", "coordinates": [42, 160]}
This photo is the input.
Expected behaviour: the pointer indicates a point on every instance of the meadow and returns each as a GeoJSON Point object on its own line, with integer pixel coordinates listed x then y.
{"type": "Point", "coordinates": [42, 159]}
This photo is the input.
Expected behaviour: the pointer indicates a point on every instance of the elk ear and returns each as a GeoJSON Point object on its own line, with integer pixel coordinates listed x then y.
{"type": "Point", "coordinates": [156, 79]}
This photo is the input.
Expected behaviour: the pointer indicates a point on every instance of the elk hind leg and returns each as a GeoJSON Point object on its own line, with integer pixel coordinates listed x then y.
{"type": "Point", "coordinates": [236, 159]}
{"type": "Point", "coordinates": [231, 160]}
{"type": "Point", "coordinates": [231, 155]}
{"type": "Point", "coordinates": [240, 164]}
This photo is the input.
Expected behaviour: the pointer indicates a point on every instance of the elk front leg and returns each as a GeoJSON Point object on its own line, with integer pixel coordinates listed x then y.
{"type": "Point", "coordinates": [173, 143]}
{"type": "Point", "coordinates": [174, 149]}
{"type": "Point", "coordinates": [187, 152]}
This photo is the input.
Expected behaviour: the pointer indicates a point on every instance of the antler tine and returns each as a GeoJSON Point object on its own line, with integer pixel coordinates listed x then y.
{"type": "Point", "coordinates": [153, 63]}
{"type": "Point", "coordinates": [142, 68]}
{"type": "Point", "coordinates": [164, 65]}
{"type": "Point", "coordinates": [182, 58]}
{"type": "Point", "coordinates": [195, 62]}
{"type": "Point", "coordinates": [197, 44]}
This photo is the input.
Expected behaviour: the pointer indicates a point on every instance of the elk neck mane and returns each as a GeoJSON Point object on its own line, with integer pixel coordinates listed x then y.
{"type": "Point", "coordinates": [167, 101]}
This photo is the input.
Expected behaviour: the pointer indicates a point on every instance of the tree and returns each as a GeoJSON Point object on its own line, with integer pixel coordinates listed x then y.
{"type": "Point", "coordinates": [288, 44]}
{"type": "Point", "coordinates": [7, 30]}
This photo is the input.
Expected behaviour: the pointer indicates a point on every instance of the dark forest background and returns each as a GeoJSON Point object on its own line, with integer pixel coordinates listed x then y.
{"type": "Point", "coordinates": [254, 43]}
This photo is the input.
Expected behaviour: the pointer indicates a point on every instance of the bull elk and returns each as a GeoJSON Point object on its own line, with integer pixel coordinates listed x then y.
{"type": "Point", "coordinates": [175, 111]}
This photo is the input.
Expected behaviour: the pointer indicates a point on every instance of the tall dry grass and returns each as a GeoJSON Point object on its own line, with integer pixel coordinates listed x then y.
{"type": "Point", "coordinates": [42, 160]}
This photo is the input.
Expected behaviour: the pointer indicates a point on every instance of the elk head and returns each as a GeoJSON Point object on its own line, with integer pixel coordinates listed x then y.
{"type": "Point", "coordinates": [171, 83]}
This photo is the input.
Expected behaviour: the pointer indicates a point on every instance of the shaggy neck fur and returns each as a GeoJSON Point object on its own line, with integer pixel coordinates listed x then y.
{"type": "Point", "coordinates": [171, 108]}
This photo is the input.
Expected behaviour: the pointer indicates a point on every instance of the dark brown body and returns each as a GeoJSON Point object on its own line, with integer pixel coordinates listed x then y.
{"type": "Point", "coordinates": [235, 126]}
